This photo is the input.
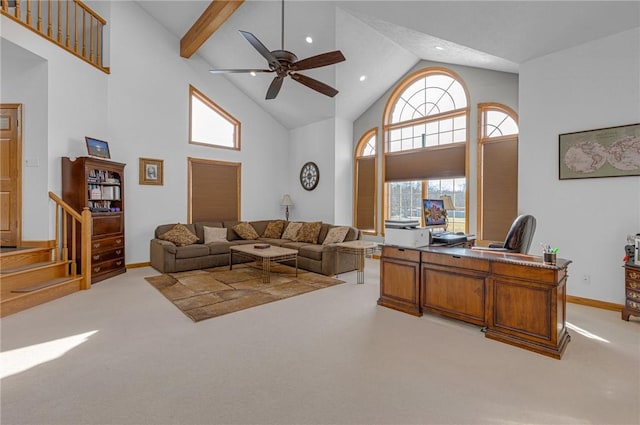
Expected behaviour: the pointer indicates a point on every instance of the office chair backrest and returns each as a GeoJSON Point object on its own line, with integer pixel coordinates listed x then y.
{"type": "Point", "coordinates": [520, 234]}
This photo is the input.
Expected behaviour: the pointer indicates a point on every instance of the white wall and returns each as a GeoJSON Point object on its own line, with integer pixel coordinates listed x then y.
{"type": "Point", "coordinates": [74, 95]}
{"type": "Point", "coordinates": [141, 108]}
{"type": "Point", "coordinates": [148, 117]}
{"type": "Point", "coordinates": [482, 85]}
{"type": "Point", "coordinates": [343, 192]}
{"type": "Point", "coordinates": [24, 80]}
{"type": "Point", "coordinates": [591, 86]}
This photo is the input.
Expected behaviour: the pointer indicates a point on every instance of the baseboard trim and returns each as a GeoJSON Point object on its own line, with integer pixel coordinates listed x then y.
{"type": "Point", "coordinates": [594, 303]}
{"type": "Point", "coordinates": [138, 265]}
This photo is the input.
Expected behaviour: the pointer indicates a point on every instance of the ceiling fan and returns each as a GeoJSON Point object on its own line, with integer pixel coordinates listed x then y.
{"type": "Point", "coordinates": [284, 63]}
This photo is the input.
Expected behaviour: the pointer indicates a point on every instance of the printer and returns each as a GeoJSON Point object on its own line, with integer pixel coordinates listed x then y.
{"type": "Point", "coordinates": [405, 232]}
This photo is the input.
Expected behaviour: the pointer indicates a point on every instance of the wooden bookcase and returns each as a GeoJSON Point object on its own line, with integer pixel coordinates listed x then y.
{"type": "Point", "coordinates": [98, 184]}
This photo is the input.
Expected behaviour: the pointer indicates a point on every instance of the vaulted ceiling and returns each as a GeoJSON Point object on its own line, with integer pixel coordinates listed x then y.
{"type": "Point", "coordinates": [382, 40]}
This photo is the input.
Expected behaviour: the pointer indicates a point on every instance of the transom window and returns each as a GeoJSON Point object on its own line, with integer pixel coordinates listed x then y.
{"type": "Point", "coordinates": [211, 125]}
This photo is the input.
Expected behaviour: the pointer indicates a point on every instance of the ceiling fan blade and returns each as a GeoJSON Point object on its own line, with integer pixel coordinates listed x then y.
{"type": "Point", "coordinates": [317, 61]}
{"type": "Point", "coordinates": [253, 40]}
{"type": "Point", "coordinates": [238, 71]}
{"type": "Point", "coordinates": [314, 84]}
{"type": "Point", "coordinates": [274, 88]}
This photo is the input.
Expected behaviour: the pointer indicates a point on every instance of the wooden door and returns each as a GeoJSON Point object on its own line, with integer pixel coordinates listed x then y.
{"type": "Point", "coordinates": [10, 174]}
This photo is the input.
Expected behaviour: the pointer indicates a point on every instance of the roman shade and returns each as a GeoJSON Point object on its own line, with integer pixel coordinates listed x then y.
{"type": "Point", "coordinates": [365, 193]}
{"type": "Point", "coordinates": [439, 162]}
{"type": "Point", "coordinates": [215, 190]}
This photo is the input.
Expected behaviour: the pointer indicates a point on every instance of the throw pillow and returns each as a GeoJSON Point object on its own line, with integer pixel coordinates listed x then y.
{"type": "Point", "coordinates": [180, 235]}
{"type": "Point", "coordinates": [245, 230]}
{"type": "Point", "coordinates": [291, 231]}
{"type": "Point", "coordinates": [336, 235]}
{"type": "Point", "coordinates": [274, 229]}
{"type": "Point", "coordinates": [309, 232]}
{"type": "Point", "coordinates": [214, 234]}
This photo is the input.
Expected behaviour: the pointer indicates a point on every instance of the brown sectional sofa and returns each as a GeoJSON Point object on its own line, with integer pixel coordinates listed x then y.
{"type": "Point", "coordinates": [166, 257]}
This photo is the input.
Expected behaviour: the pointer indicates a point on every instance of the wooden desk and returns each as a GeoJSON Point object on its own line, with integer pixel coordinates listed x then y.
{"type": "Point", "coordinates": [517, 298]}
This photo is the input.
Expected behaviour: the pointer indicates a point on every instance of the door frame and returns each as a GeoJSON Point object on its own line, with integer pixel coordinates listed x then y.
{"type": "Point", "coordinates": [18, 168]}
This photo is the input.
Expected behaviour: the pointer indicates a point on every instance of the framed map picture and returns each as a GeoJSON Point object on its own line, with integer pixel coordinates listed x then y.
{"type": "Point", "coordinates": [605, 152]}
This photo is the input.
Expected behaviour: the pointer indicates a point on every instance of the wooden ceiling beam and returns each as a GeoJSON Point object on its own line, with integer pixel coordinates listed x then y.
{"type": "Point", "coordinates": [211, 19]}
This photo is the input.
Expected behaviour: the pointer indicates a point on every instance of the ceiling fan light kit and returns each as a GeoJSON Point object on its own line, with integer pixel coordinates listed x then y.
{"type": "Point", "coordinates": [285, 63]}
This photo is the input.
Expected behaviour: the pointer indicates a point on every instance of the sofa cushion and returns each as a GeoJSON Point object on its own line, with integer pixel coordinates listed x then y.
{"type": "Point", "coordinates": [335, 235]}
{"type": "Point", "coordinates": [216, 248]}
{"type": "Point", "coordinates": [274, 229]}
{"type": "Point", "coordinates": [294, 245]}
{"type": "Point", "coordinates": [180, 235]}
{"type": "Point", "coordinates": [311, 251]}
{"type": "Point", "coordinates": [291, 231]}
{"type": "Point", "coordinates": [246, 230]}
{"type": "Point", "coordinates": [190, 251]}
{"type": "Point", "coordinates": [260, 225]}
{"type": "Point", "coordinates": [309, 232]}
{"type": "Point", "coordinates": [214, 234]}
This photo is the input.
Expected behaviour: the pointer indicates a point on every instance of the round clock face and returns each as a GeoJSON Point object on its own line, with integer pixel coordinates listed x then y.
{"type": "Point", "coordinates": [309, 176]}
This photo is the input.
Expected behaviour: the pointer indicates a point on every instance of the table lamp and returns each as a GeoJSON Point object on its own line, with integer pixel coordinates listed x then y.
{"type": "Point", "coordinates": [448, 206]}
{"type": "Point", "coordinates": [286, 203]}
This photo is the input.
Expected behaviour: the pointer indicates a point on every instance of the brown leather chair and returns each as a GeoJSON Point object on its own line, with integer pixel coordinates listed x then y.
{"type": "Point", "coordinates": [519, 236]}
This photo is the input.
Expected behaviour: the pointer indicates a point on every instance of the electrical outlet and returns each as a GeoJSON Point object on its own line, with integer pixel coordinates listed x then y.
{"type": "Point", "coordinates": [586, 279]}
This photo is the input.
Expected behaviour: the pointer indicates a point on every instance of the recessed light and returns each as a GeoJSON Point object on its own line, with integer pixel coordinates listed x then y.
{"type": "Point", "coordinates": [253, 74]}
{"type": "Point", "coordinates": [309, 39]}
{"type": "Point", "coordinates": [363, 77]}
{"type": "Point", "coordinates": [439, 48]}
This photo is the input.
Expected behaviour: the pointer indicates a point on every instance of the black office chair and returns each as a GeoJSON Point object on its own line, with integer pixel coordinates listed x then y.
{"type": "Point", "coordinates": [519, 236]}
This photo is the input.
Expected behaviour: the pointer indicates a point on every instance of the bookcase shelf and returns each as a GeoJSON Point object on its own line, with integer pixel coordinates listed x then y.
{"type": "Point", "coordinates": [98, 184]}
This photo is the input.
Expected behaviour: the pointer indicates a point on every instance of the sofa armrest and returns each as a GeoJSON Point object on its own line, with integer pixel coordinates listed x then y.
{"type": "Point", "coordinates": [163, 255]}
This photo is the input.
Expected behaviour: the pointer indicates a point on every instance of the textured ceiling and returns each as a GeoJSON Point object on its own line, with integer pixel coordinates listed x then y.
{"type": "Point", "coordinates": [384, 39]}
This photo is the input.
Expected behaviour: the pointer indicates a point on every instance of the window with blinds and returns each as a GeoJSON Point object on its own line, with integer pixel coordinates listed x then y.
{"type": "Point", "coordinates": [365, 182]}
{"type": "Point", "coordinates": [214, 190]}
{"type": "Point", "coordinates": [426, 135]}
{"type": "Point", "coordinates": [498, 170]}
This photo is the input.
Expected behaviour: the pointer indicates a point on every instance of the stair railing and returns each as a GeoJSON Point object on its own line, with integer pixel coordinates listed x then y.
{"type": "Point", "coordinates": [67, 217]}
{"type": "Point", "coordinates": [70, 24]}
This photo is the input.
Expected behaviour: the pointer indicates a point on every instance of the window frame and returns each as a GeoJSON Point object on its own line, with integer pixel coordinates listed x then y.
{"type": "Point", "coordinates": [388, 126]}
{"type": "Point", "coordinates": [220, 111]}
{"type": "Point", "coordinates": [359, 154]}
{"type": "Point", "coordinates": [483, 109]}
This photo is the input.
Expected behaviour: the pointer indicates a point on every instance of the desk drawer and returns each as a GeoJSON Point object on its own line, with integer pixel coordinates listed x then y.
{"type": "Point", "coordinates": [401, 254]}
{"type": "Point", "coordinates": [456, 261]}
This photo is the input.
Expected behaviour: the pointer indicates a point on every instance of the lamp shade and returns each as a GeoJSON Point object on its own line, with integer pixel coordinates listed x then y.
{"type": "Point", "coordinates": [286, 201]}
{"type": "Point", "coordinates": [448, 202]}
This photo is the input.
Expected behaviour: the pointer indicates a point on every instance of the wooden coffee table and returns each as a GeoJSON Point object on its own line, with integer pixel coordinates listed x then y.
{"type": "Point", "coordinates": [266, 256]}
{"type": "Point", "coordinates": [358, 248]}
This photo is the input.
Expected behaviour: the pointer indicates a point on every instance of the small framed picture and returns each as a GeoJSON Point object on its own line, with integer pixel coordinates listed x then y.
{"type": "Point", "coordinates": [150, 171]}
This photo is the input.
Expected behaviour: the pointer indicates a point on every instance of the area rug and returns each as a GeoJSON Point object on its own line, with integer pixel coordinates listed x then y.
{"type": "Point", "coordinates": [203, 294]}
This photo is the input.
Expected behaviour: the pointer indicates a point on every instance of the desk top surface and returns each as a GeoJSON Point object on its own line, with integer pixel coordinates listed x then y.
{"type": "Point", "coordinates": [497, 256]}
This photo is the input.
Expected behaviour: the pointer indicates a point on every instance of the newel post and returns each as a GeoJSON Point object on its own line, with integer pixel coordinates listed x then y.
{"type": "Point", "coordinates": [85, 250]}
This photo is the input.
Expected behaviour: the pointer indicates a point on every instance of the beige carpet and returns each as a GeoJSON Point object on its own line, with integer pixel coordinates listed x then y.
{"type": "Point", "coordinates": [203, 294]}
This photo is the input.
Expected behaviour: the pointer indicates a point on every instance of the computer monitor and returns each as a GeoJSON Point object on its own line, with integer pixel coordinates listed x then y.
{"type": "Point", "coordinates": [434, 213]}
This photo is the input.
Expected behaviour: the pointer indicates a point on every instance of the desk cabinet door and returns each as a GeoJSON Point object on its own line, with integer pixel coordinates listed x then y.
{"type": "Point", "coordinates": [461, 295]}
{"type": "Point", "coordinates": [399, 285]}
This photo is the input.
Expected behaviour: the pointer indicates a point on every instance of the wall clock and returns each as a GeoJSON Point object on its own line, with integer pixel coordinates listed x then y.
{"type": "Point", "coordinates": [309, 175]}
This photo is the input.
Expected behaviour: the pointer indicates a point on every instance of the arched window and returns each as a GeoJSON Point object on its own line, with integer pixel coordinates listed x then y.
{"type": "Point", "coordinates": [497, 170]}
{"type": "Point", "coordinates": [365, 183]}
{"type": "Point", "coordinates": [426, 134]}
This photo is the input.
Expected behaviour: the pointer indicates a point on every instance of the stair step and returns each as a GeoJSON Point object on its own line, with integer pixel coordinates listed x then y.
{"type": "Point", "coordinates": [23, 256]}
{"type": "Point", "coordinates": [14, 302]}
{"type": "Point", "coordinates": [41, 285]}
{"type": "Point", "coordinates": [6, 271]}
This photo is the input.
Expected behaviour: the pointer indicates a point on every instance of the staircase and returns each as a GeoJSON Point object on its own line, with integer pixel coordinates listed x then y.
{"type": "Point", "coordinates": [29, 277]}
{"type": "Point", "coordinates": [32, 276]}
